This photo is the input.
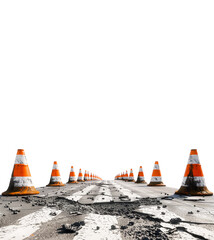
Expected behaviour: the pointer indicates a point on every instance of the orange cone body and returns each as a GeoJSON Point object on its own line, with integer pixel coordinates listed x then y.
{"type": "Point", "coordinates": [126, 176]}
{"type": "Point", "coordinates": [131, 176]}
{"type": "Point", "coordinates": [20, 182]}
{"type": "Point", "coordinates": [156, 179]}
{"type": "Point", "coordinates": [80, 177]}
{"type": "Point", "coordinates": [85, 176]}
{"type": "Point", "coordinates": [193, 182]}
{"type": "Point", "coordinates": [140, 178]}
{"type": "Point", "coordinates": [72, 177]}
{"type": "Point", "coordinates": [55, 180]}
{"type": "Point", "coordinates": [121, 176]}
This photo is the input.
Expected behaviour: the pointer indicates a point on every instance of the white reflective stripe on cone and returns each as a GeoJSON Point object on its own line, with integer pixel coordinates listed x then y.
{"type": "Point", "coordinates": [156, 179]}
{"type": "Point", "coordinates": [22, 181]}
{"type": "Point", "coordinates": [199, 181]}
{"type": "Point", "coordinates": [55, 166]}
{"type": "Point", "coordinates": [21, 159]}
{"type": "Point", "coordinates": [156, 166]}
{"type": "Point", "coordinates": [79, 178]}
{"type": "Point", "coordinates": [55, 179]}
{"type": "Point", "coordinates": [131, 178]}
{"type": "Point", "coordinates": [141, 178]}
{"type": "Point", "coordinates": [71, 179]}
{"type": "Point", "coordinates": [193, 159]}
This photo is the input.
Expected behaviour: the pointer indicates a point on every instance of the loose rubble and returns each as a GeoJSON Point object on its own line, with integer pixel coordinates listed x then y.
{"type": "Point", "coordinates": [131, 223]}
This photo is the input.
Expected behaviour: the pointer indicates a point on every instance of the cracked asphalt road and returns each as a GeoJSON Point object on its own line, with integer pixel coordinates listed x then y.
{"type": "Point", "coordinates": [106, 210]}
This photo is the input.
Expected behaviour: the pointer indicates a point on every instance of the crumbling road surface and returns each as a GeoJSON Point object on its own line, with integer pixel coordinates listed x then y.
{"type": "Point", "coordinates": [106, 210]}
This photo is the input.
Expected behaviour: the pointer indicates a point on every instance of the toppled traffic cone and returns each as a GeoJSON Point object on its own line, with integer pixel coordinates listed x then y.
{"type": "Point", "coordinates": [80, 177]}
{"type": "Point", "coordinates": [193, 182]}
{"type": "Point", "coordinates": [131, 176]}
{"type": "Point", "coordinates": [156, 179]}
{"type": "Point", "coordinates": [140, 178]}
{"type": "Point", "coordinates": [20, 182]}
{"type": "Point", "coordinates": [72, 178]}
{"type": "Point", "coordinates": [55, 180]}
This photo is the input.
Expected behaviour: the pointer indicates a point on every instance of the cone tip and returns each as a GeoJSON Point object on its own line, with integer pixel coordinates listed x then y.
{"type": "Point", "coordinates": [193, 152]}
{"type": "Point", "coordinates": [156, 162]}
{"type": "Point", "coordinates": [20, 152]}
{"type": "Point", "coordinates": [55, 162]}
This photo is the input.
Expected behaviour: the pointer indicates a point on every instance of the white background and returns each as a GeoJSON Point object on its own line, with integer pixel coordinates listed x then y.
{"type": "Point", "coordinates": [106, 86]}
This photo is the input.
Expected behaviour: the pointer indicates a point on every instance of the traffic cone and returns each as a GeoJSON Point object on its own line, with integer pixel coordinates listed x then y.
{"type": "Point", "coordinates": [91, 177]}
{"type": "Point", "coordinates": [119, 177]}
{"type": "Point", "coordinates": [85, 176]}
{"type": "Point", "coordinates": [131, 176]}
{"type": "Point", "coordinates": [140, 178]}
{"type": "Point", "coordinates": [20, 182]}
{"type": "Point", "coordinates": [79, 179]}
{"type": "Point", "coordinates": [55, 180]}
{"type": "Point", "coordinates": [72, 178]}
{"type": "Point", "coordinates": [156, 179]}
{"type": "Point", "coordinates": [126, 176]}
{"type": "Point", "coordinates": [193, 182]}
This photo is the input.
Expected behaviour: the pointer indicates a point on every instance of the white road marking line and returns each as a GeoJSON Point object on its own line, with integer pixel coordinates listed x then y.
{"type": "Point", "coordinates": [90, 232]}
{"type": "Point", "coordinates": [166, 215]}
{"type": "Point", "coordinates": [127, 192]}
{"type": "Point", "coordinates": [107, 197]}
{"type": "Point", "coordinates": [77, 195]}
{"type": "Point", "coordinates": [27, 225]}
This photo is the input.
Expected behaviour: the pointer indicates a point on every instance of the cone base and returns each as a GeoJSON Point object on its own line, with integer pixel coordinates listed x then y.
{"type": "Point", "coordinates": [197, 191]}
{"type": "Point", "coordinates": [57, 184]}
{"type": "Point", "coordinates": [130, 180]}
{"type": "Point", "coordinates": [72, 182]}
{"type": "Point", "coordinates": [157, 184]}
{"type": "Point", "coordinates": [16, 191]}
{"type": "Point", "coordinates": [80, 181]}
{"type": "Point", "coordinates": [143, 182]}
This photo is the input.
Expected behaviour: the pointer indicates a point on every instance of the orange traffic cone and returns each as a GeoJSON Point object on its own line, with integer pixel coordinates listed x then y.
{"type": "Point", "coordinates": [131, 176]}
{"type": "Point", "coordinates": [55, 180]}
{"type": "Point", "coordinates": [72, 178]}
{"type": "Point", "coordinates": [20, 182]}
{"type": "Point", "coordinates": [91, 177]}
{"type": "Point", "coordinates": [156, 179]}
{"type": "Point", "coordinates": [122, 176]}
{"type": "Point", "coordinates": [193, 181]}
{"type": "Point", "coordinates": [140, 178]}
{"type": "Point", "coordinates": [79, 179]}
{"type": "Point", "coordinates": [126, 176]}
{"type": "Point", "coordinates": [85, 176]}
